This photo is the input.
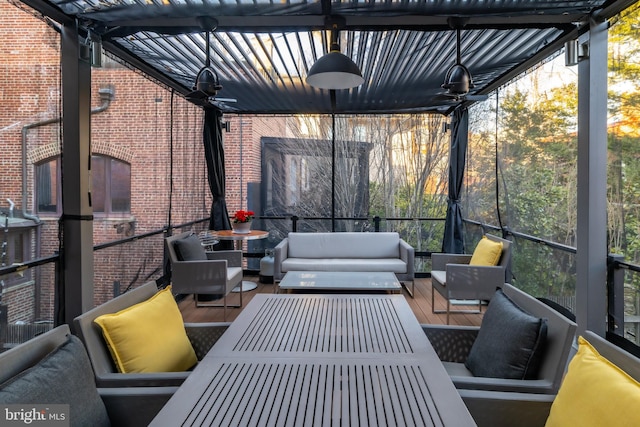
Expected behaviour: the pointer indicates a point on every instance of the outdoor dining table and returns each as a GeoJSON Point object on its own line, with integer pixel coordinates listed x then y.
{"type": "Point", "coordinates": [319, 360]}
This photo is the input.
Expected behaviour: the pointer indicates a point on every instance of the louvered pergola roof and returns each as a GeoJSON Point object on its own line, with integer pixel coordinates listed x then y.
{"type": "Point", "coordinates": [262, 50]}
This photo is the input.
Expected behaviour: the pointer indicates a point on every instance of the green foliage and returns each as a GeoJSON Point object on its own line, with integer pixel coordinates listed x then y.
{"type": "Point", "coordinates": [536, 150]}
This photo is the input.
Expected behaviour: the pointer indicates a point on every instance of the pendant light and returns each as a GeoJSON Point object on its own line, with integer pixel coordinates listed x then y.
{"type": "Point", "coordinates": [334, 70]}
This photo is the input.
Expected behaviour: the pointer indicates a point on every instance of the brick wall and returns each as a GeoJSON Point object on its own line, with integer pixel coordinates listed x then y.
{"type": "Point", "coordinates": [139, 127]}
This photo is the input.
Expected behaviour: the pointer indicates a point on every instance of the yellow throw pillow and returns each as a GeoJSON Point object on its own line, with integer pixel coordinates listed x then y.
{"type": "Point", "coordinates": [487, 252]}
{"type": "Point", "coordinates": [149, 336]}
{"type": "Point", "coordinates": [595, 392]}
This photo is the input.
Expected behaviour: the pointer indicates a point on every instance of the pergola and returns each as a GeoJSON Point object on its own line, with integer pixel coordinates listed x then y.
{"type": "Point", "coordinates": [262, 51]}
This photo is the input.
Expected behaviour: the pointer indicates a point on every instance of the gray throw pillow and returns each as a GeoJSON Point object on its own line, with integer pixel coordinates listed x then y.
{"type": "Point", "coordinates": [510, 342]}
{"type": "Point", "coordinates": [189, 249]}
{"type": "Point", "coordinates": [64, 376]}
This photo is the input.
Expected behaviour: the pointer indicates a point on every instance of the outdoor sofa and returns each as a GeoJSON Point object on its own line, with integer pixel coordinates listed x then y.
{"type": "Point", "coordinates": [345, 251]}
{"type": "Point", "coordinates": [53, 369]}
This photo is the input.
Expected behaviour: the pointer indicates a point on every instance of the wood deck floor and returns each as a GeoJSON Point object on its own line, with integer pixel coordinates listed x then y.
{"type": "Point", "coordinates": [421, 306]}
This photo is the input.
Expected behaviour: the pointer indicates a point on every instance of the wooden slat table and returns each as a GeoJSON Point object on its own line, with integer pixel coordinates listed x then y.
{"type": "Point", "coordinates": [319, 360]}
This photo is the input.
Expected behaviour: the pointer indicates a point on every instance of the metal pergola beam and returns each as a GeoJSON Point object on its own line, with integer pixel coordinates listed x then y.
{"type": "Point", "coordinates": [50, 11]}
{"type": "Point", "coordinates": [261, 24]}
{"type": "Point", "coordinates": [591, 255]}
{"type": "Point", "coordinates": [145, 68]}
{"type": "Point", "coordinates": [535, 59]}
{"type": "Point", "coordinates": [75, 296]}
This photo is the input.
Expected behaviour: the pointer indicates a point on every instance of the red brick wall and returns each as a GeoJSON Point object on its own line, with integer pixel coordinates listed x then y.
{"type": "Point", "coordinates": [29, 92]}
{"type": "Point", "coordinates": [253, 128]}
{"type": "Point", "coordinates": [138, 127]}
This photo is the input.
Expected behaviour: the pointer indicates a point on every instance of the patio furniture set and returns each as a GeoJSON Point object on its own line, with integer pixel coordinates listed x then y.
{"type": "Point", "coordinates": [320, 359]}
{"type": "Point", "coordinates": [311, 359]}
{"type": "Point", "coordinates": [349, 252]}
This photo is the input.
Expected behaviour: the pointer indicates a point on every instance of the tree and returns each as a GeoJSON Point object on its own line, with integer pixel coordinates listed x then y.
{"type": "Point", "coordinates": [387, 166]}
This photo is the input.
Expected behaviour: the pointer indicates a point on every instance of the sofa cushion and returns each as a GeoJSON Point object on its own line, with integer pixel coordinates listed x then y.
{"type": "Point", "coordinates": [189, 249]}
{"type": "Point", "coordinates": [344, 245]}
{"type": "Point", "coordinates": [595, 392]}
{"type": "Point", "coordinates": [64, 376]}
{"type": "Point", "coordinates": [393, 265]}
{"type": "Point", "coordinates": [487, 252]}
{"type": "Point", "coordinates": [439, 276]}
{"type": "Point", "coordinates": [510, 342]}
{"type": "Point", "coordinates": [148, 336]}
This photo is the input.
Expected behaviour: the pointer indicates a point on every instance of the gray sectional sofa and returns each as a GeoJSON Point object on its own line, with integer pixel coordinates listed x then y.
{"type": "Point", "coordinates": [345, 251]}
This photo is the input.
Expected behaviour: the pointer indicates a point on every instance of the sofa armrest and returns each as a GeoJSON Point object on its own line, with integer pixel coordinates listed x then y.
{"type": "Point", "coordinates": [439, 261]}
{"type": "Point", "coordinates": [473, 281]}
{"type": "Point", "coordinates": [280, 253]}
{"type": "Point", "coordinates": [198, 269]}
{"type": "Point", "coordinates": [541, 386]}
{"type": "Point", "coordinates": [233, 258]}
{"type": "Point", "coordinates": [451, 343]}
{"type": "Point", "coordinates": [146, 379]}
{"type": "Point", "coordinates": [407, 254]}
{"type": "Point", "coordinates": [204, 335]}
{"type": "Point", "coordinates": [200, 277]}
{"type": "Point", "coordinates": [134, 406]}
{"type": "Point", "coordinates": [503, 409]}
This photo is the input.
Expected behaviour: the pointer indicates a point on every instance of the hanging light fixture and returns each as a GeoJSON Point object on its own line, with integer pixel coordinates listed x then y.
{"type": "Point", "coordinates": [458, 79]}
{"type": "Point", "coordinates": [334, 70]}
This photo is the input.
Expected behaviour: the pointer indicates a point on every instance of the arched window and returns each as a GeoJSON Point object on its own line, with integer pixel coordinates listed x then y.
{"type": "Point", "coordinates": [110, 191]}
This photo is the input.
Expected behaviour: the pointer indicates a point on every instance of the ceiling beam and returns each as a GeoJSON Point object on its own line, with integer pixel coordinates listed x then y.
{"type": "Point", "coordinates": [289, 23]}
{"type": "Point", "coordinates": [541, 55]}
{"type": "Point", "coordinates": [50, 11]}
{"type": "Point", "coordinates": [141, 65]}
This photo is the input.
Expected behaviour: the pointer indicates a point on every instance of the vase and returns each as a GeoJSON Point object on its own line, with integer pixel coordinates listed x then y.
{"type": "Point", "coordinates": [241, 227]}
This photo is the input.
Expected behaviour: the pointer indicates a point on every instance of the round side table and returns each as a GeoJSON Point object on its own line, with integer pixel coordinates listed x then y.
{"type": "Point", "coordinates": [238, 238]}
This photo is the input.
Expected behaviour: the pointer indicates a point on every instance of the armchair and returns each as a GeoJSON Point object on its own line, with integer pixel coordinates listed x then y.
{"type": "Point", "coordinates": [506, 409]}
{"type": "Point", "coordinates": [53, 368]}
{"type": "Point", "coordinates": [201, 335]}
{"type": "Point", "coordinates": [455, 279]}
{"type": "Point", "coordinates": [199, 272]}
{"type": "Point", "coordinates": [453, 345]}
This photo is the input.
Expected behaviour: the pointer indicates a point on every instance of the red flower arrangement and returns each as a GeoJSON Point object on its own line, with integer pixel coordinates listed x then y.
{"type": "Point", "coordinates": [243, 216]}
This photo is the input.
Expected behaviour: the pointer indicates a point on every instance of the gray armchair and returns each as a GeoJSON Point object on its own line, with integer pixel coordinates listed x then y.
{"type": "Point", "coordinates": [199, 272]}
{"type": "Point", "coordinates": [201, 335]}
{"type": "Point", "coordinates": [453, 345]}
{"type": "Point", "coordinates": [454, 279]}
{"type": "Point", "coordinates": [507, 409]}
{"type": "Point", "coordinates": [65, 377]}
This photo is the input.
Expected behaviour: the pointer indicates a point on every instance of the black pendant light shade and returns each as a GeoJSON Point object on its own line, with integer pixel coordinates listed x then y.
{"type": "Point", "coordinates": [334, 70]}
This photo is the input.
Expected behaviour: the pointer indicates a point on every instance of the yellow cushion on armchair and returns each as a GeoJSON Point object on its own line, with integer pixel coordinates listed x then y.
{"type": "Point", "coordinates": [149, 336]}
{"type": "Point", "coordinates": [487, 252]}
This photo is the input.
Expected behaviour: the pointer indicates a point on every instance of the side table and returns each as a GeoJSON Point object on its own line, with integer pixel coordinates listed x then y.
{"type": "Point", "coordinates": [238, 238]}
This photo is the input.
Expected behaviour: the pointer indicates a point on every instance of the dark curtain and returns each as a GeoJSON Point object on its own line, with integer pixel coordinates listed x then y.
{"type": "Point", "coordinates": [453, 241]}
{"type": "Point", "coordinates": [214, 155]}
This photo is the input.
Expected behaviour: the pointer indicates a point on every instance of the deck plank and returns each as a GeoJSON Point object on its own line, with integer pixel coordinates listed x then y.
{"type": "Point", "coordinates": [420, 305]}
